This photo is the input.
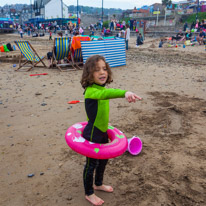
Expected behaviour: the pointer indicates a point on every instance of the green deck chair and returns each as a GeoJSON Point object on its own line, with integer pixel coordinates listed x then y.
{"type": "Point", "coordinates": [30, 54]}
{"type": "Point", "coordinates": [61, 52]}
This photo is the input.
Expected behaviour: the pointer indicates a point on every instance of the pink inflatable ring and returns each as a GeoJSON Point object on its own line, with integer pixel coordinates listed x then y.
{"type": "Point", "coordinates": [76, 142]}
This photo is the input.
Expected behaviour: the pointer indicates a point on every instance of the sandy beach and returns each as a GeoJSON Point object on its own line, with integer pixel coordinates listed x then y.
{"type": "Point", "coordinates": [170, 120]}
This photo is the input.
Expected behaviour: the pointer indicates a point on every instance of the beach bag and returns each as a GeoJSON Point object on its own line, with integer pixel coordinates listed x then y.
{"type": "Point", "coordinates": [35, 35]}
{"type": "Point", "coordinates": [9, 47]}
{"type": "Point", "coordinates": [5, 48]}
{"type": "Point", "coordinates": [2, 48]}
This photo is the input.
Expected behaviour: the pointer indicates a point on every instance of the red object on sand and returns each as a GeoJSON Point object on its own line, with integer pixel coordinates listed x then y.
{"type": "Point", "coordinates": [75, 102]}
{"type": "Point", "coordinates": [31, 75]}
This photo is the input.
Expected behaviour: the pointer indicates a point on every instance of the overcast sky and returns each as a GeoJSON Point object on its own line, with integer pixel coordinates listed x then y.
{"type": "Point", "coordinates": [122, 4]}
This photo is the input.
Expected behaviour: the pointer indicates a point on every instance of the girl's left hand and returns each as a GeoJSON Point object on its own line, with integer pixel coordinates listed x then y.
{"type": "Point", "coordinates": [131, 97]}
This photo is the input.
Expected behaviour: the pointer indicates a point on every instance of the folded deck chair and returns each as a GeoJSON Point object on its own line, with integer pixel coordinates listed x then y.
{"type": "Point", "coordinates": [77, 50]}
{"type": "Point", "coordinates": [61, 51]}
{"type": "Point", "coordinates": [30, 54]}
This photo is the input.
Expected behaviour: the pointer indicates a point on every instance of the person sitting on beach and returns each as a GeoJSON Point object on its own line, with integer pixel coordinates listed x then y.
{"type": "Point", "coordinates": [119, 34]}
{"type": "Point", "coordinates": [140, 40]}
{"type": "Point", "coordinates": [201, 37]}
{"type": "Point", "coordinates": [197, 25]}
{"type": "Point", "coordinates": [97, 74]}
{"type": "Point", "coordinates": [162, 41]}
{"type": "Point", "coordinates": [185, 26]}
{"type": "Point", "coordinates": [188, 35]}
{"type": "Point", "coordinates": [50, 54]}
{"type": "Point", "coordinates": [192, 25]}
{"type": "Point", "coordinates": [178, 37]}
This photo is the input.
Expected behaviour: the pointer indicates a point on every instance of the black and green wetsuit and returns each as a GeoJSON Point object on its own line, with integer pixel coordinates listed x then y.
{"type": "Point", "coordinates": [97, 109]}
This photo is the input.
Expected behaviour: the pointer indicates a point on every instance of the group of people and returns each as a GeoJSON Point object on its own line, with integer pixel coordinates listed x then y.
{"type": "Point", "coordinates": [197, 26]}
{"type": "Point", "coordinates": [115, 24]}
{"type": "Point", "coordinates": [188, 35]}
{"type": "Point", "coordinates": [139, 41]}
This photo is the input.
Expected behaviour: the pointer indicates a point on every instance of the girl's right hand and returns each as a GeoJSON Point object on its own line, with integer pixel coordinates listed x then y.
{"type": "Point", "coordinates": [131, 97]}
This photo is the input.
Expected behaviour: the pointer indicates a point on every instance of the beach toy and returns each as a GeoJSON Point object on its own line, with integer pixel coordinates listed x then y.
{"type": "Point", "coordinates": [79, 144]}
{"type": "Point", "coordinates": [75, 102]}
{"type": "Point", "coordinates": [188, 42]}
{"type": "Point", "coordinates": [5, 48]}
{"type": "Point", "coordinates": [2, 48]}
{"type": "Point", "coordinates": [176, 46]}
{"type": "Point", "coordinates": [14, 65]}
{"type": "Point", "coordinates": [134, 145]}
{"type": "Point", "coordinates": [31, 75]}
{"type": "Point", "coordinates": [183, 45]}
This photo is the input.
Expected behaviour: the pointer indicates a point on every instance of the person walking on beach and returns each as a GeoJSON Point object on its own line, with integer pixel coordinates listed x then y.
{"type": "Point", "coordinates": [96, 74]}
{"type": "Point", "coordinates": [127, 36]}
{"type": "Point", "coordinates": [50, 35]}
{"type": "Point", "coordinates": [21, 32]}
{"type": "Point", "coordinates": [29, 31]}
{"type": "Point", "coordinates": [66, 33]}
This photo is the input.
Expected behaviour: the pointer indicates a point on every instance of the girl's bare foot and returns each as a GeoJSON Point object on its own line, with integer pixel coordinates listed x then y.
{"type": "Point", "coordinates": [105, 188]}
{"type": "Point", "coordinates": [94, 199]}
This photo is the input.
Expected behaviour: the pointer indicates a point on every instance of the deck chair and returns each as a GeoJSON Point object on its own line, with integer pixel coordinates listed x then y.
{"type": "Point", "coordinates": [76, 49]}
{"type": "Point", "coordinates": [61, 51]}
{"type": "Point", "coordinates": [30, 54]}
{"type": "Point", "coordinates": [77, 57]}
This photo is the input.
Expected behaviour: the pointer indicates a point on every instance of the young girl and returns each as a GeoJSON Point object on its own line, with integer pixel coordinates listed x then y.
{"type": "Point", "coordinates": [96, 75]}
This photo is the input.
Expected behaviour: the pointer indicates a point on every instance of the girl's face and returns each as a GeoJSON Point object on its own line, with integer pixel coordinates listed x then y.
{"type": "Point", "coordinates": [100, 74]}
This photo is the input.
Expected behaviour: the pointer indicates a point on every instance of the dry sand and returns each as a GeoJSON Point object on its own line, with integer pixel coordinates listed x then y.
{"type": "Point", "coordinates": [170, 120]}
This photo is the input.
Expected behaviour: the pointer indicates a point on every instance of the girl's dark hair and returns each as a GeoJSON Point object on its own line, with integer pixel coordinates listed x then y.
{"type": "Point", "coordinates": [60, 34]}
{"type": "Point", "coordinates": [89, 69]}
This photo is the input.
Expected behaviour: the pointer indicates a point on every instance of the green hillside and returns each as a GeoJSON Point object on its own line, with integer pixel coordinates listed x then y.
{"type": "Point", "coordinates": [192, 17]}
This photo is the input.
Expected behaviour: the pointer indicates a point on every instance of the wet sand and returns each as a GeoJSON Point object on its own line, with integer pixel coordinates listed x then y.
{"type": "Point", "coordinates": [170, 120]}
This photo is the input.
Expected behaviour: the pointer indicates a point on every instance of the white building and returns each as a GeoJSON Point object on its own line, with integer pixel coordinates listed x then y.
{"type": "Point", "coordinates": [56, 9]}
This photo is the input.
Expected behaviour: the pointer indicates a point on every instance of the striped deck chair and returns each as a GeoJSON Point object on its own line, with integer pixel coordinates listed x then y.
{"type": "Point", "coordinates": [77, 56]}
{"type": "Point", "coordinates": [29, 53]}
{"type": "Point", "coordinates": [61, 51]}
{"type": "Point", "coordinates": [77, 50]}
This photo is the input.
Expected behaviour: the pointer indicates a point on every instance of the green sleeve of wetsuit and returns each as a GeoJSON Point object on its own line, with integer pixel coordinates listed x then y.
{"type": "Point", "coordinates": [94, 93]}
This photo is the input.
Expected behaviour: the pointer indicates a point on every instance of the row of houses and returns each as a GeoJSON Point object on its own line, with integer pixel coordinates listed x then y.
{"type": "Point", "coordinates": [180, 7]}
{"type": "Point", "coordinates": [46, 9]}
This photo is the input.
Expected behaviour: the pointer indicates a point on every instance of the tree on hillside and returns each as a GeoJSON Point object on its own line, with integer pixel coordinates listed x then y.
{"type": "Point", "coordinates": [166, 2]}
